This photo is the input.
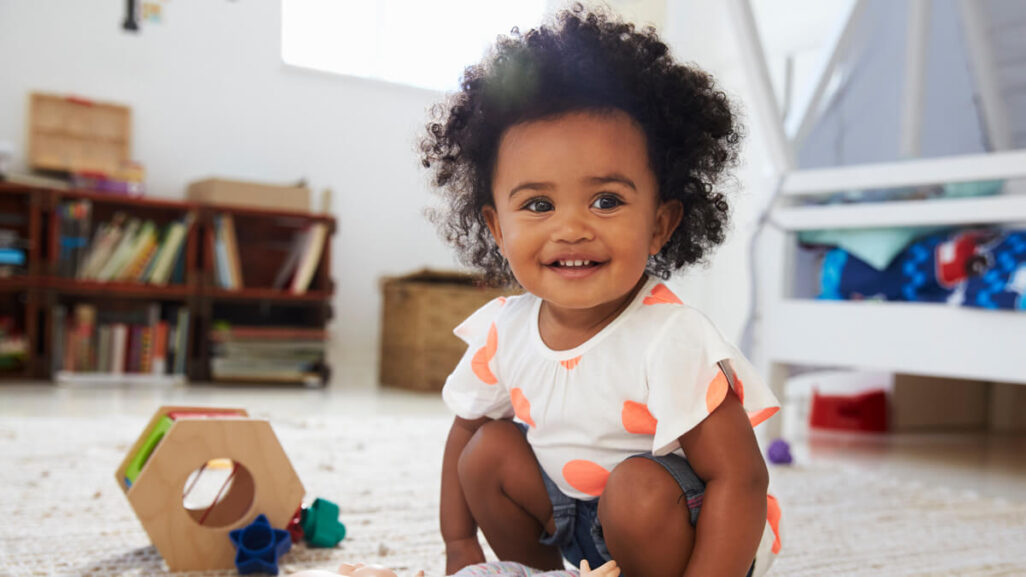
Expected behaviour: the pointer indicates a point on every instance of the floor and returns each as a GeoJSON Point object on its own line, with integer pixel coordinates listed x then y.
{"type": "Point", "coordinates": [992, 465]}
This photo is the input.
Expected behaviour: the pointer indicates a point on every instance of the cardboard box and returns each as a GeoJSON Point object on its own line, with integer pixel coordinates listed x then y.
{"type": "Point", "coordinates": [227, 192]}
{"type": "Point", "coordinates": [932, 403]}
{"type": "Point", "coordinates": [420, 310]}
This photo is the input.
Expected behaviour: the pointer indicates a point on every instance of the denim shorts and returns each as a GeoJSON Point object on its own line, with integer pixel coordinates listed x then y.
{"type": "Point", "coordinates": [578, 531]}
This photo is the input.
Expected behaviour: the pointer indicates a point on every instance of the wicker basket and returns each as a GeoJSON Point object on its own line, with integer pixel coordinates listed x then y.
{"type": "Point", "coordinates": [418, 349]}
{"type": "Point", "coordinates": [78, 135]}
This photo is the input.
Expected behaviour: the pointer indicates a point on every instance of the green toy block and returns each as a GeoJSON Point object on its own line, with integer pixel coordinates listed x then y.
{"type": "Point", "coordinates": [139, 460]}
{"type": "Point", "coordinates": [321, 527]}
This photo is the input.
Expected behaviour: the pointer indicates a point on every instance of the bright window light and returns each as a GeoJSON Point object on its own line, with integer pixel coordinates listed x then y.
{"type": "Point", "coordinates": [424, 43]}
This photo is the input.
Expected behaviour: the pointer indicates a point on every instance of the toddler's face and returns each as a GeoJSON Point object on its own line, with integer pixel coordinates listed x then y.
{"type": "Point", "coordinates": [577, 211]}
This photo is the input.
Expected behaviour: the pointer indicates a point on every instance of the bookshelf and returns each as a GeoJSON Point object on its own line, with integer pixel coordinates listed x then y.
{"type": "Point", "coordinates": [188, 315]}
{"type": "Point", "coordinates": [20, 236]}
{"type": "Point", "coordinates": [263, 319]}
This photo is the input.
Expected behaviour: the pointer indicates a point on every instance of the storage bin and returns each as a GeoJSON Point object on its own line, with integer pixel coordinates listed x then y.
{"type": "Point", "coordinates": [420, 310]}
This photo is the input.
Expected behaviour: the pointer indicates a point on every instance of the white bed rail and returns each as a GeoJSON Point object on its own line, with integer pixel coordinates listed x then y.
{"type": "Point", "coordinates": [948, 169]}
{"type": "Point", "coordinates": [999, 209]}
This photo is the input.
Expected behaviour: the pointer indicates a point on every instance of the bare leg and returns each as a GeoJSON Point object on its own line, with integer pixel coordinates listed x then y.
{"type": "Point", "coordinates": [506, 495]}
{"type": "Point", "coordinates": [645, 520]}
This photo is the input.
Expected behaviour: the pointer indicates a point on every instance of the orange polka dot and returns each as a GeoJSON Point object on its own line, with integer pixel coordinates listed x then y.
{"type": "Point", "coordinates": [637, 419]}
{"type": "Point", "coordinates": [716, 392]}
{"type": "Point", "coordinates": [479, 364]}
{"type": "Point", "coordinates": [571, 363]}
{"type": "Point", "coordinates": [757, 417]}
{"type": "Point", "coordinates": [493, 341]}
{"type": "Point", "coordinates": [521, 406]}
{"type": "Point", "coordinates": [484, 355]}
{"type": "Point", "coordinates": [661, 295]}
{"type": "Point", "coordinates": [585, 476]}
{"type": "Point", "coordinates": [773, 517]}
{"type": "Point", "coordinates": [502, 300]}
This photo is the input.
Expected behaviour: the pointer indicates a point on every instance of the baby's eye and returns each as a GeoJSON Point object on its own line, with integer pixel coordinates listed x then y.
{"type": "Point", "coordinates": [606, 202]}
{"type": "Point", "coordinates": [538, 205]}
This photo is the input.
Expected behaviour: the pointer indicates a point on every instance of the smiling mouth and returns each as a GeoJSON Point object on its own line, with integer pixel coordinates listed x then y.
{"type": "Point", "coordinates": [575, 264]}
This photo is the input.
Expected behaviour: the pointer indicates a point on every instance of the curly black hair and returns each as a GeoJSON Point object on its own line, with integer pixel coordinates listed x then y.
{"type": "Point", "coordinates": [584, 61]}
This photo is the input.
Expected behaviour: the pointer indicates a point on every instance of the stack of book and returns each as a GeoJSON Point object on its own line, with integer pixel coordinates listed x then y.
{"type": "Point", "coordinates": [13, 345]}
{"type": "Point", "coordinates": [267, 353]}
{"type": "Point", "coordinates": [126, 180]}
{"type": "Point", "coordinates": [13, 257]}
{"type": "Point", "coordinates": [118, 342]}
{"type": "Point", "coordinates": [123, 249]}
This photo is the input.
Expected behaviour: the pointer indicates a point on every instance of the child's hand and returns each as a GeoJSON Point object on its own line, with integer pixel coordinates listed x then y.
{"type": "Point", "coordinates": [361, 570]}
{"type": "Point", "coordinates": [607, 570]}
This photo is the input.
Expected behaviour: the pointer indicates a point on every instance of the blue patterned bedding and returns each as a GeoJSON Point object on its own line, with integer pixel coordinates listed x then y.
{"type": "Point", "coordinates": [983, 268]}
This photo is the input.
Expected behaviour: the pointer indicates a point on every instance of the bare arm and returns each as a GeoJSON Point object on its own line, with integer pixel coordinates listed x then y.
{"type": "Point", "coordinates": [459, 531]}
{"type": "Point", "coordinates": [723, 451]}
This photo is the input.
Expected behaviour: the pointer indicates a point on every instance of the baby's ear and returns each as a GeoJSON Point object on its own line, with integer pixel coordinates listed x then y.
{"type": "Point", "coordinates": [668, 217]}
{"type": "Point", "coordinates": [491, 218]}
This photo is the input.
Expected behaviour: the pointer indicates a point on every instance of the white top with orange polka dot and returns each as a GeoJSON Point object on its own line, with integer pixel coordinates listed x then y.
{"type": "Point", "coordinates": [647, 378]}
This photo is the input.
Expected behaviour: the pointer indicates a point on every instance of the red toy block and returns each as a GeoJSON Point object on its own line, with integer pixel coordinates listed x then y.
{"type": "Point", "coordinates": [865, 412]}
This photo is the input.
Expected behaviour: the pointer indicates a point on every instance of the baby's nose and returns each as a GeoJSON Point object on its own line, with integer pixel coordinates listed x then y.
{"type": "Point", "coordinates": [572, 226]}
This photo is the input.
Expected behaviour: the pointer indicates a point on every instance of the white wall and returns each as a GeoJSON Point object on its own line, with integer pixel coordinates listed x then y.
{"type": "Point", "coordinates": [210, 96]}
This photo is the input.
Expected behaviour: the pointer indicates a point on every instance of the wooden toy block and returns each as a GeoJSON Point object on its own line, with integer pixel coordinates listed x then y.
{"type": "Point", "coordinates": [262, 481]}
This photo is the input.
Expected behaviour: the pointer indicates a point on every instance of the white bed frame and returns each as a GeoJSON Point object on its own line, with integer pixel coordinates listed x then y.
{"type": "Point", "coordinates": [915, 338]}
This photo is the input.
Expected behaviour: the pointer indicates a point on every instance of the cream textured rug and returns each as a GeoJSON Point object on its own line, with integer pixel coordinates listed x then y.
{"type": "Point", "coordinates": [63, 513]}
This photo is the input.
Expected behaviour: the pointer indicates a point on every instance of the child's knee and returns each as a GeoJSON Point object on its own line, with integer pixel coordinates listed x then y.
{"type": "Point", "coordinates": [483, 454]}
{"type": "Point", "coordinates": [641, 497]}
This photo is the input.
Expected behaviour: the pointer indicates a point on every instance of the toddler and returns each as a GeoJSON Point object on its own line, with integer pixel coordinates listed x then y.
{"type": "Point", "coordinates": [598, 416]}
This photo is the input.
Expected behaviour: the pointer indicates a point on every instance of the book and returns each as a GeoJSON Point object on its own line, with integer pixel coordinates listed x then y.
{"type": "Point", "coordinates": [12, 256]}
{"type": "Point", "coordinates": [122, 253]}
{"type": "Point", "coordinates": [311, 258]}
{"type": "Point", "coordinates": [103, 349]}
{"type": "Point", "coordinates": [232, 251]}
{"type": "Point", "coordinates": [73, 236]}
{"type": "Point", "coordinates": [178, 276]}
{"type": "Point", "coordinates": [133, 355]}
{"type": "Point", "coordinates": [288, 267]}
{"type": "Point", "coordinates": [146, 350]}
{"type": "Point", "coordinates": [84, 221]}
{"type": "Point", "coordinates": [182, 346]}
{"type": "Point", "coordinates": [281, 333]}
{"type": "Point", "coordinates": [85, 325]}
{"type": "Point", "coordinates": [107, 239]}
{"type": "Point", "coordinates": [221, 270]}
{"type": "Point", "coordinates": [143, 251]}
{"type": "Point", "coordinates": [159, 350]}
{"type": "Point", "coordinates": [119, 344]}
{"type": "Point", "coordinates": [170, 249]}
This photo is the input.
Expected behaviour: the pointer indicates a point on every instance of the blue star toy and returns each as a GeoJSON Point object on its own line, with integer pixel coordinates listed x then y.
{"type": "Point", "coordinates": [258, 546]}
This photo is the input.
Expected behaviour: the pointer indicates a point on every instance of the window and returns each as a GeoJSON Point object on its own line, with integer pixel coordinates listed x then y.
{"type": "Point", "coordinates": [424, 43]}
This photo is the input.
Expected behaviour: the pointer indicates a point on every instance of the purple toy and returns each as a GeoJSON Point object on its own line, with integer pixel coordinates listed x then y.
{"type": "Point", "coordinates": [779, 452]}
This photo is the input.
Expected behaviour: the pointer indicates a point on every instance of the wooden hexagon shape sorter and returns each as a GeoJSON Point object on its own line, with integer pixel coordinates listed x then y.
{"type": "Point", "coordinates": [177, 446]}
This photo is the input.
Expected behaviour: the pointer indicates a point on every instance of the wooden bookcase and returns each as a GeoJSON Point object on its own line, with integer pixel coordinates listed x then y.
{"type": "Point", "coordinates": [264, 237]}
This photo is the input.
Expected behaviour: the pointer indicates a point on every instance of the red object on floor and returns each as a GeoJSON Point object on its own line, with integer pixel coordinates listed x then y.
{"type": "Point", "coordinates": [295, 526]}
{"type": "Point", "coordinates": [865, 412]}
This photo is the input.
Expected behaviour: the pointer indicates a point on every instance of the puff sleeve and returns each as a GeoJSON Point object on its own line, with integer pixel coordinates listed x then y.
{"type": "Point", "coordinates": [689, 367]}
{"type": "Point", "coordinates": [473, 389]}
